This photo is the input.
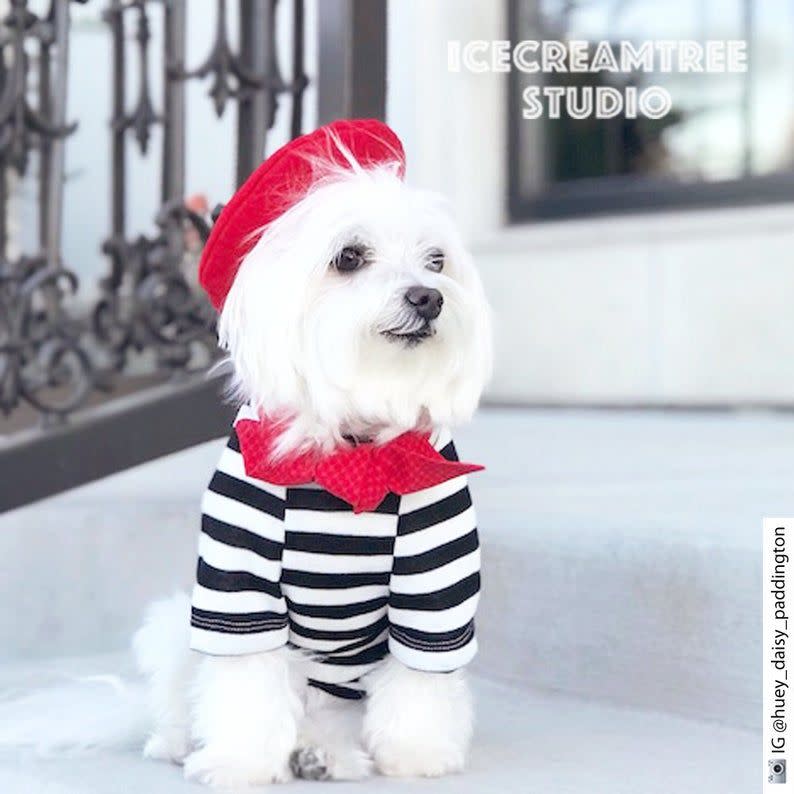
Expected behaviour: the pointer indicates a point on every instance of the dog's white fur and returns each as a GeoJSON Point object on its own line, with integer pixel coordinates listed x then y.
{"type": "Point", "coordinates": [306, 341]}
{"type": "Point", "coordinates": [307, 344]}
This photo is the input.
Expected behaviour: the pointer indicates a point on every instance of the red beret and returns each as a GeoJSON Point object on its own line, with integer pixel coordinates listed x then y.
{"type": "Point", "coordinates": [280, 182]}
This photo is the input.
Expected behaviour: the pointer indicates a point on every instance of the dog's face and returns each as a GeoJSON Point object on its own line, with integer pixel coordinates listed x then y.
{"type": "Point", "coordinates": [359, 312]}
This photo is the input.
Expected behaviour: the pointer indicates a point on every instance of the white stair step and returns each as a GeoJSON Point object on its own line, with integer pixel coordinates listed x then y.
{"type": "Point", "coordinates": [623, 553]}
{"type": "Point", "coordinates": [525, 742]}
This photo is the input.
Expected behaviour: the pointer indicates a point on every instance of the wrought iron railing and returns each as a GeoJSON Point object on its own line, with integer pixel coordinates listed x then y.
{"type": "Point", "coordinates": [54, 364]}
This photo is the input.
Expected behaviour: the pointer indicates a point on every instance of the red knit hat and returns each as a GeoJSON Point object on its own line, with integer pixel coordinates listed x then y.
{"type": "Point", "coordinates": [280, 182]}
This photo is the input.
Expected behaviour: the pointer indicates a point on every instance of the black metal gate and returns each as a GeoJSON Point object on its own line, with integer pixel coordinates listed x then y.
{"type": "Point", "coordinates": [70, 373]}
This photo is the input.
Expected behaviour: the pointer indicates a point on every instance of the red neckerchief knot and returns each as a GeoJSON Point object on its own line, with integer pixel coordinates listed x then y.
{"type": "Point", "coordinates": [362, 475]}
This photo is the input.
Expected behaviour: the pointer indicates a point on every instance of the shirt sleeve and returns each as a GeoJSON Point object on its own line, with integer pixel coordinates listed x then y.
{"type": "Point", "coordinates": [237, 606]}
{"type": "Point", "coordinates": [435, 581]}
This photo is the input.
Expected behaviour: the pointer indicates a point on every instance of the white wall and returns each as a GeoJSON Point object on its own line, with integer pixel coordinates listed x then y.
{"type": "Point", "coordinates": [666, 308]}
{"type": "Point", "coordinates": [452, 125]}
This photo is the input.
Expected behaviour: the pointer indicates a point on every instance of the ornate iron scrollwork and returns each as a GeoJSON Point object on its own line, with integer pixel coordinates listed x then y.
{"type": "Point", "coordinates": [143, 116]}
{"type": "Point", "coordinates": [43, 357]}
{"type": "Point", "coordinates": [43, 360]}
{"type": "Point", "coordinates": [149, 300]}
{"type": "Point", "coordinates": [20, 123]}
{"type": "Point", "coordinates": [229, 76]}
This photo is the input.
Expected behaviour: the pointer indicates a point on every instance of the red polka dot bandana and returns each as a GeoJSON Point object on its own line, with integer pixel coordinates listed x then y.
{"type": "Point", "coordinates": [361, 475]}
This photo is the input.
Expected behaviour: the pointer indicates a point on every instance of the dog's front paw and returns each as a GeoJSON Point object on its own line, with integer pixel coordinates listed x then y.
{"type": "Point", "coordinates": [317, 763]}
{"type": "Point", "coordinates": [417, 724]}
{"type": "Point", "coordinates": [408, 759]}
{"type": "Point", "coordinates": [223, 771]}
{"type": "Point", "coordinates": [309, 763]}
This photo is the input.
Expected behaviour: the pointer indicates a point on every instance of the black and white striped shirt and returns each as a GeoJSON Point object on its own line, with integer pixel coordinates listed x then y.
{"type": "Point", "coordinates": [294, 565]}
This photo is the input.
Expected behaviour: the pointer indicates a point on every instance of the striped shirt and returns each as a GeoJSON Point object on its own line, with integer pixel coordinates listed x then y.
{"type": "Point", "coordinates": [295, 566]}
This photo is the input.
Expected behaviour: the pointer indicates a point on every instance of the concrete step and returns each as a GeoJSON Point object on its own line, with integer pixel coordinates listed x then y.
{"type": "Point", "coordinates": [525, 741]}
{"type": "Point", "coordinates": [620, 554]}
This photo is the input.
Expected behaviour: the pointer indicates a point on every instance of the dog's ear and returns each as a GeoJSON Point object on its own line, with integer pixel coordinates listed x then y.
{"type": "Point", "coordinates": [259, 326]}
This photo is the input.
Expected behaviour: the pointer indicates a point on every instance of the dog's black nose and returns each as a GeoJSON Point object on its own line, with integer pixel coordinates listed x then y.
{"type": "Point", "coordinates": [427, 302]}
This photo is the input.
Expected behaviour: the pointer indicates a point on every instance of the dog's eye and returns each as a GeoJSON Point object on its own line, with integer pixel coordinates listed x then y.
{"type": "Point", "coordinates": [350, 258]}
{"type": "Point", "coordinates": [435, 260]}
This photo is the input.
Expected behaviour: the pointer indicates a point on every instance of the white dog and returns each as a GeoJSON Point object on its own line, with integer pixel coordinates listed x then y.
{"type": "Point", "coordinates": [332, 613]}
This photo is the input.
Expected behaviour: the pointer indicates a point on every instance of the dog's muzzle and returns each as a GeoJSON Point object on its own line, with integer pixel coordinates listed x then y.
{"type": "Point", "coordinates": [422, 307]}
